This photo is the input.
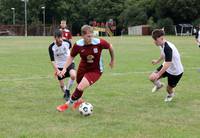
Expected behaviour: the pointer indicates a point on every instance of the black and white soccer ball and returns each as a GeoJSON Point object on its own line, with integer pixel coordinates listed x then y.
{"type": "Point", "coordinates": [86, 109]}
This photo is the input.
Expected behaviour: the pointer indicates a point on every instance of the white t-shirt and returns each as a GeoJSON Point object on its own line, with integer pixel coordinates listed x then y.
{"type": "Point", "coordinates": [171, 54]}
{"type": "Point", "coordinates": [198, 35]}
{"type": "Point", "coordinates": [59, 53]}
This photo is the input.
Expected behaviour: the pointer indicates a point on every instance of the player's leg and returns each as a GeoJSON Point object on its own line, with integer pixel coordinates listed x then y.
{"type": "Point", "coordinates": [76, 99]}
{"type": "Point", "coordinates": [62, 85]}
{"type": "Point", "coordinates": [170, 93]}
{"type": "Point", "coordinates": [77, 94]}
{"type": "Point", "coordinates": [80, 75]}
{"type": "Point", "coordinates": [61, 82]}
{"type": "Point", "coordinates": [172, 82]}
{"type": "Point", "coordinates": [72, 78]}
{"type": "Point", "coordinates": [198, 44]}
{"type": "Point", "coordinates": [72, 74]}
{"type": "Point", "coordinates": [157, 83]}
{"type": "Point", "coordinates": [88, 79]}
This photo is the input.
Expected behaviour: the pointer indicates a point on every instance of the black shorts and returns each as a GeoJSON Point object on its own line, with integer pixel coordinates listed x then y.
{"type": "Point", "coordinates": [72, 66]}
{"type": "Point", "coordinates": [172, 79]}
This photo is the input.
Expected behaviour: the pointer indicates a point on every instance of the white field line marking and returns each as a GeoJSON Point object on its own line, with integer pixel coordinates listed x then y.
{"type": "Point", "coordinates": [27, 78]}
{"type": "Point", "coordinates": [128, 73]}
{"type": "Point", "coordinates": [192, 69]}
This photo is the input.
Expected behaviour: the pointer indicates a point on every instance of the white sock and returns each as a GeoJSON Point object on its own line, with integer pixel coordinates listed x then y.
{"type": "Point", "coordinates": [69, 84]}
{"type": "Point", "coordinates": [157, 83]}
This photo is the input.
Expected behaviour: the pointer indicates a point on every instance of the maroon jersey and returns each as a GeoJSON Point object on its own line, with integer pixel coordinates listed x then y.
{"type": "Point", "coordinates": [66, 34]}
{"type": "Point", "coordinates": [91, 59]}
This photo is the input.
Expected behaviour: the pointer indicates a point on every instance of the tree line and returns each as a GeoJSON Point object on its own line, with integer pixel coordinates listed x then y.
{"type": "Point", "coordinates": [156, 13]}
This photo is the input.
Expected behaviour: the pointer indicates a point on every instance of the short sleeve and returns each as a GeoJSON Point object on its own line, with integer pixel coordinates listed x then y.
{"type": "Point", "coordinates": [51, 54]}
{"type": "Point", "coordinates": [69, 43]}
{"type": "Point", "coordinates": [104, 44]}
{"type": "Point", "coordinates": [74, 50]}
{"type": "Point", "coordinates": [168, 53]}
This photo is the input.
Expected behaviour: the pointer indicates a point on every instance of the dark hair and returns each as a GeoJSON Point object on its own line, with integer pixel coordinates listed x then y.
{"type": "Point", "coordinates": [157, 33]}
{"type": "Point", "coordinates": [57, 33]}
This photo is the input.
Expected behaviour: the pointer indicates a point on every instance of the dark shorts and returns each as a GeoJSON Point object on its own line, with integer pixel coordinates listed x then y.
{"type": "Point", "coordinates": [91, 76]}
{"type": "Point", "coordinates": [172, 79]}
{"type": "Point", "coordinates": [72, 66]}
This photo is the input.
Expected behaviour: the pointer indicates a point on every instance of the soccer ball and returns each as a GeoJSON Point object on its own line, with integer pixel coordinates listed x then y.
{"type": "Point", "coordinates": [85, 109]}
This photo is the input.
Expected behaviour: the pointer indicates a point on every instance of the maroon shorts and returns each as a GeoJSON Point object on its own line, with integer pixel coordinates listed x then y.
{"type": "Point", "coordinates": [92, 76]}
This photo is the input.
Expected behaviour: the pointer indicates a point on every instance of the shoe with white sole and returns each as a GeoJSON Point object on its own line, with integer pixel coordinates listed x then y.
{"type": "Point", "coordinates": [169, 97]}
{"type": "Point", "coordinates": [156, 88]}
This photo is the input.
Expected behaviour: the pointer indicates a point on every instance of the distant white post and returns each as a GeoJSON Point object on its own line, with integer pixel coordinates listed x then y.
{"type": "Point", "coordinates": [25, 16]}
{"type": "Point", "coordinates": [13, 9]}
{"type": "Point", "coordinates": [43, 8]}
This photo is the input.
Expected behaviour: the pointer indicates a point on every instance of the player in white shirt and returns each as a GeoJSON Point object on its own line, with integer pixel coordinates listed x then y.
{"type": "Point", "coordinates": [58, 52]}
{"type": "Point", "coordinates": [171, 68]}
{"type": "Point", "coordinates": [197, 36]}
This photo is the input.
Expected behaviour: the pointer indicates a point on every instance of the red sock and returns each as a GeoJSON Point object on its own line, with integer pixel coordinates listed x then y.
{"type": "Point", "coordinates": [77, 94]}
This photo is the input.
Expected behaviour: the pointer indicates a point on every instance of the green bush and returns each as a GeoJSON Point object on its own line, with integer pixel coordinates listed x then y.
{"type": "Point", "coordinates": [167, 24]}
{"type": "Point", "coordinates": [152, 24]}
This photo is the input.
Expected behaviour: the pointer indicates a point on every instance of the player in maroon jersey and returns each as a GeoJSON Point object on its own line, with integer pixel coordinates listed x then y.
{"type": "Point", "coordinates": [66, 34]}
{"type": "Point", "coordinates": [90, 67]}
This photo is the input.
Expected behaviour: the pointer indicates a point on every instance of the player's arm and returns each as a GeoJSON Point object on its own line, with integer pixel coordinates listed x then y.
{"type": "Point", "coordinates": [51, 55]}
{"type": "Point", "coordinates": [106, 45]}
{"type": "Point", "coordinates": [156, 61]}
{"type": "Point", "coordinates": [168, 61]}
{"type": "Point", "coordinates": [56, 70]}
{"type": "Point", "coordinates": [68, 62]}
{"type": "Point", "coordinates": [112, 58]}
{"type": "Point", "coordinates": [69, 59]}
{"type": "Point", "coordinates": [164, 68]}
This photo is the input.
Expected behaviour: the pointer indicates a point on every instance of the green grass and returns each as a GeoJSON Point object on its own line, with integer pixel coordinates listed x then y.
{"type": "Point", "coordinates": [124, 106]}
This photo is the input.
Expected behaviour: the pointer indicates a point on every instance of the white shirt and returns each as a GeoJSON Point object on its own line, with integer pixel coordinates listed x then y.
{"type": "Point", "coordinates": [59, 53]}
{"type": "Point", "coordinates": [198, 36]}
{"type": "Point", "coordinates": [170, 53]}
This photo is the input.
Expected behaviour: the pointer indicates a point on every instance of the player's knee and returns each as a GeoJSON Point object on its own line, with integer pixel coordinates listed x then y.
{"type": "Point", "coordinates": [73, 77]}
{"type": "Point", "coordinates": [151, 77]}
{"type": "Point", "coordinates": [73, 74]}
{"type": "Point", "coordinates": [80, 87]}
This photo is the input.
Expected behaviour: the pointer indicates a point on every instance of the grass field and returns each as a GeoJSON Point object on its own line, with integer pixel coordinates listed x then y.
{"type": "Point", "coordinates": [124, 106]}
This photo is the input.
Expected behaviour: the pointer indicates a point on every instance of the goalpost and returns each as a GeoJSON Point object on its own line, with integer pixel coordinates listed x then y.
{"type": "Point", "coordinates": [183, 29]}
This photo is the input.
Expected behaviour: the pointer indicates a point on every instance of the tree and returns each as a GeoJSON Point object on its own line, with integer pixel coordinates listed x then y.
{"type": "Point", "coordinates": [124, 12]}
{"type": "Point", "coordinates": [137, 12]}
{"type": "Point", "coordinates": [181, 11]}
